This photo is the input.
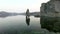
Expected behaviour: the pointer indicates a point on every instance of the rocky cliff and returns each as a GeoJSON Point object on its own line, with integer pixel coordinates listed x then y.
{"type": "Point", "coordinates": [50, 9]}
{"type": "Point", "coordinates": [51, 12]}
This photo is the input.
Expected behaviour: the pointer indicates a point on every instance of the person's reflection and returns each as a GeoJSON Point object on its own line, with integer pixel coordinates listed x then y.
{"type": "Point", "coordinates": [28, 20]}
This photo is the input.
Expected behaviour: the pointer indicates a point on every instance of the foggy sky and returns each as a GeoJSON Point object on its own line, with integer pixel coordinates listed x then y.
{"type": "Point", "coordinates": [21, 5]}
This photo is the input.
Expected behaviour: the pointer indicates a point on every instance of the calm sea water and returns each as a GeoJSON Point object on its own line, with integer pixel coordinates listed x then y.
{"type": "Point", "coordinates": [21, 25]}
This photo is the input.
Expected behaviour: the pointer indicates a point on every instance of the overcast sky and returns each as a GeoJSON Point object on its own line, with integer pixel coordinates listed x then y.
{"type": "Point", "coordinates": [20, 5]}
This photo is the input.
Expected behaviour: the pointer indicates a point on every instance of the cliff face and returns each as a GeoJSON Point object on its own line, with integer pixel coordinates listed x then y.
{"type": "Point", "coordinates": [50, 9]}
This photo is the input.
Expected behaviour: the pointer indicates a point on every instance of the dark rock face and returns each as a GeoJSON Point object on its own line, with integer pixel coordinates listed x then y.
{"type": "Point", "coordinates": [50, 15]}
{"type": "Point", "coordinates": [51, 9]}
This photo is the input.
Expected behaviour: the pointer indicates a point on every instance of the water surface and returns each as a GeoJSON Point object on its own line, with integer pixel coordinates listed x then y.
{"type": "Point", "coordinates": [22, 25]}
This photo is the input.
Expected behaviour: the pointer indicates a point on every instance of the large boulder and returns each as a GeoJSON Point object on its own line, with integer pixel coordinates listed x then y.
{"type": "Point", "coordinates": [50, 9]}
{"type": "Point", "coordinates": [51, 13]}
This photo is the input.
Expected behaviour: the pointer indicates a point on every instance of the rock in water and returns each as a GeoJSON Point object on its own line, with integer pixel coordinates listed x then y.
{"type": "Point", "coordinates": [50, 11]}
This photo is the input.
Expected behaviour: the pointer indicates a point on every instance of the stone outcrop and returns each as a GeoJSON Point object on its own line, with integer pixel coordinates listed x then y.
{"type": "Point", "coordinates": [51, 13]}
{"type": "Point", "coordinates": [50, 9]}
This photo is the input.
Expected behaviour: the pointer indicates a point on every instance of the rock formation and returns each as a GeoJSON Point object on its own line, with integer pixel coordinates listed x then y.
{"type": "Point", "coordinates": [50, 9]}
{"type": "Point", "coordinates": [51, 12]}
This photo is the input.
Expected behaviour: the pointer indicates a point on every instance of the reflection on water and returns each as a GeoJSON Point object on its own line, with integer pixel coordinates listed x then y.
{"type": "Point", "coordinates": [17, 25]}
{"type": "Point", "coordinates": [29, 25]}
{"type": "Point", "coordinates": [28, 20]}
{"type": "Point", "coordinates": [51, 23]}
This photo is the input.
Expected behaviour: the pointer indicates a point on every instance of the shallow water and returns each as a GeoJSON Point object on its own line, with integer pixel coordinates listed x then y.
{"type": "Point", "coordinates": [21, 25]}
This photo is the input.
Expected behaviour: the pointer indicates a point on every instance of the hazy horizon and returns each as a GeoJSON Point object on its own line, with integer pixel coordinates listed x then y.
{"type": "Point", "coordinates": [20, 6]}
